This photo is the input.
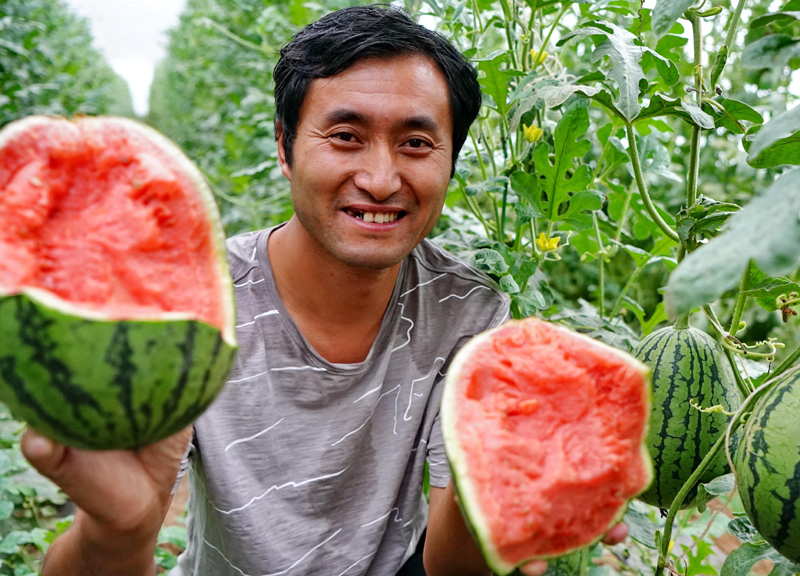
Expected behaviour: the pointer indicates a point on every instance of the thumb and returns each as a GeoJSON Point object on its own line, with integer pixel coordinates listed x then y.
{"type": "Point", "coordinates": [43, 454]}
{"type": "Point", "coordinates": [534, 568]}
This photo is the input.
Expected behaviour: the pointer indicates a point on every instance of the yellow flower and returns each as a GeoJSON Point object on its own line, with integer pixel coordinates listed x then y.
{"type": "Point", "coordinates": [547, 245]}
{"type": "Point", "coordinates": [538, 58]}
{"type": "Point", "coordinates": [532, 132]}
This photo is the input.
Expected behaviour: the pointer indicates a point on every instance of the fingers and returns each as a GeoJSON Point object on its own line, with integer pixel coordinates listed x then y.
{"type": "Point", "coordinates": [43, 454]}
{"type": "Point", "coordinates": [535, 568]}
{"type": "Point", "coordinates": [616, 535]}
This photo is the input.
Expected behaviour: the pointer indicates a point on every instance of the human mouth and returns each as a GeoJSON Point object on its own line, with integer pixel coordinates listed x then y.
{"type": "Point", "coordinates": [376, 217]}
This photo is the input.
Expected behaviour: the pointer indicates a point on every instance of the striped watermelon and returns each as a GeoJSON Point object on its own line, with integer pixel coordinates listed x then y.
{"type": "Point", "coordinates": [687, 364]}
{"type": "Point", "coordinates": [544, 430]}
{"type": "Point", "coordinates": [767, 464]}
{"type": "Point", "coordinates": [116, 305]}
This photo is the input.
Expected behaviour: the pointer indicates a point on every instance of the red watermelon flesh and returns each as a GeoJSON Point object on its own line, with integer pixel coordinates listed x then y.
{"type": "Point", "coordinates": [545, 432]}
{"type": "Point", "coordinates": [101, 214]}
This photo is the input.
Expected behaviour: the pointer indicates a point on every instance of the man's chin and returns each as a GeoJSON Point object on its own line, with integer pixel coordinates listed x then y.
{"type": "Point", "coordinates": [371, 260]}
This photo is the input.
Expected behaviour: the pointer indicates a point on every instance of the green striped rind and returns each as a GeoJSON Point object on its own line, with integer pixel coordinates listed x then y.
{"type": "Point", "coordinates": [574, 564]}
{"type": "Point", "coordinates": [767, 464]}
{"type": "Point", "coordinates": [92, 383]}
{"type": "Point", "coordinates": [464, 486]}
{"type": "Point", "coordinates": [687, 365]}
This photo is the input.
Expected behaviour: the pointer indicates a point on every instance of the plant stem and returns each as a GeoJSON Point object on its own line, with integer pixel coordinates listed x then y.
{"type": "Point", "coordinates": [509, 17]}
{"type": "Point", "coordinates": [694, 149]}
{"type": "Point", "coordinates": [501, 231]}
{"type": "Point", "coordinates": [787, 362]}
{"type": "Point", "coordinates": [625, 207]}
{"type": "Point", "coordinates": [235, 37]}
{"type": "Point", "coordinates": [676, 504]}
{"type": "Point", "coordinates": [601, 257]}
{"type": "Point", "coordinates": [478, 153]}
{"type": "Point", "coordinates": [637, 171]}
{"type": "Point", "coordinates": [739, 308]}
{"type": "Point", "coordinates": [724, 52]}
{"type": "Point", "coordinates": [744, 387]}
{"type": "Point", "coordinates": [628, 284]}
{"type": "Point", "coordinates": [538, 60]}
{"type": "Point", "coordinates": [475, 209]}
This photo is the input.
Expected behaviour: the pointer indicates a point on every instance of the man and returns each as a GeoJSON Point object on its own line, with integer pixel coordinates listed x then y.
{"type": "Point", "coordinates": [312, 459]}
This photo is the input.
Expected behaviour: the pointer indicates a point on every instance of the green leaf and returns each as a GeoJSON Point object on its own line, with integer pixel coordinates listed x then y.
{"type": "Point", "coordinates": [175, 535]}
{"type": "Point", "coordinates": [740, 561]}
{"type": "Point", "coordinates": [698, 116]}
{"type": "Point", "coordinates": [509, 285]}
{"type": "Point", "coordinates": [743, 529]}
{"type": "Point", "coordinates": [6, 509]}
{"type": "Point", "coordinates": [495, 82]}
{"type": "Point", "coordinates": [527, 187]}
{"type": "Point", "coordinates": [523, 270]}
{"type": "Point", "coordinates": [720, 485]}
{"type": "Point", "coordinates": [696, 558]}
{"type": "Point", "coordinates": [491, 261]}
{"type": "Point", "coordinates": [779, 18]}
{"type": "Point", "coordinates": [585, 200]}
{"type": "Point", "coordinates": [777, 142]}
{"type": "Point", "coordinates": [13, 540]}
{"type": "Point", "coordinates": [666, 67]}
{"type": "Point", "coordinates": [495, 185]}
{"type": "Point", "coordinates": [555, 96]}
{"type": "Point", "coordinates": [640, 525]}
{"type": "Point", "coordinates": [766, 231]}
{"type": "Point", "coordinates": [537, 296]}
{"type": "Point", "coordinates": [570, 143]}
{"type": "Point", "coordinates": [666, 13]}
{"type": "Point", "coordinates": [773, 51]}
{"type": "Point", "coordinates": [767, 291]}
{"type": "Point", "coordinates": [662, 105]}
{"type": "Point", "coordinates": [624, 55]}
{"type": "Point", "coordinates": [739, 111]}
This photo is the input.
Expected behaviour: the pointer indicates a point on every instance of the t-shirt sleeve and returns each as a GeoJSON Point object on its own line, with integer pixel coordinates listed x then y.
{"type": "Point", "coordinates": [437, 459]}
{"type": "Point", "coordinates": [184, 465]}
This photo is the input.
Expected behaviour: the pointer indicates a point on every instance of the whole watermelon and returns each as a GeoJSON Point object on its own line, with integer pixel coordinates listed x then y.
{"type": "Point", "coordinates": [544, 430]}
{"type": "Point", "coordinates": [767, 463]}
{"type": "Point", "coordinates": [116, 304]}
{"type": "Point", "coordinates": [688, 365]}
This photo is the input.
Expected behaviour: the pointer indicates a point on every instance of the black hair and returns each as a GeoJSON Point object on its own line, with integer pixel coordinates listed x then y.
{"type": "Point", "coordinates": [338, 40]}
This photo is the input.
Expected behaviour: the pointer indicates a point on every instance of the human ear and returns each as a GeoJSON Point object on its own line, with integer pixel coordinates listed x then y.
{"type": "Point", "coordinates": [285, 168]}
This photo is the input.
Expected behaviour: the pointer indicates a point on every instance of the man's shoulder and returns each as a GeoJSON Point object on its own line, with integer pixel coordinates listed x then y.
{"type": "Point", "coordinates": [453, 283]}
{"type": "Point", "coordinates": [243, 253]}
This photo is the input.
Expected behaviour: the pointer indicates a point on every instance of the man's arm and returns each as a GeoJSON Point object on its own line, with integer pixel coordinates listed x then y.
{"type": "Point", "coordinates": [123, 497]}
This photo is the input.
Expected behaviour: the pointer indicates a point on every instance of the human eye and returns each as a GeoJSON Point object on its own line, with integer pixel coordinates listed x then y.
{"type": "Point", "coordinates": [343, 137]}
{"type": "Point", "coordinates": [418, 143]}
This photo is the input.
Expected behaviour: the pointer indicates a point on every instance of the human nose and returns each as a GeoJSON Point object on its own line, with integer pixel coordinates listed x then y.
{"type": "Point", "coordinates": [379, 175]}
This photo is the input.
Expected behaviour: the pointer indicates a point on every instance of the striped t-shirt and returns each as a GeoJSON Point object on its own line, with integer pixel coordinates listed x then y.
{"type": "Point", "coordinates": [302, 466]}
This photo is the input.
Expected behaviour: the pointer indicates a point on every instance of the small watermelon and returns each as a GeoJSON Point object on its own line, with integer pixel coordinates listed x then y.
{"type": "Point", "coordinates": [688, 366]}
{"type": "Point", "coordinates": [544, 430]}
{"type": "Point", "coordinates": [767, 464]}
{"type": "Point", "coordinates": [116, 304]}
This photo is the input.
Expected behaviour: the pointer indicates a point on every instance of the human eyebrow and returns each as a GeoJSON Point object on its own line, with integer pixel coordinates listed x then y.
{"type": "Point", "coordinates": [343, 115]}
{"type": "Point", "coordinates": [425, 123]}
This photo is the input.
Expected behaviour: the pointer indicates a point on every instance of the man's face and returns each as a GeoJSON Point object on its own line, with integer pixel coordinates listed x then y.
{"type": "Point", "coordinates": [372, 158]}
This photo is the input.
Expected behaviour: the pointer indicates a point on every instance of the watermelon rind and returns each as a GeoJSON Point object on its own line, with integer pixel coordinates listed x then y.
{"type": "Point", "coordinates": [767, 466]}
{"type": "Point", "coordinates": [465, 488]}
{"type": "Point", "coordinates": [688, 366]}
{"type": "Point", "coordinates": [88, 380]}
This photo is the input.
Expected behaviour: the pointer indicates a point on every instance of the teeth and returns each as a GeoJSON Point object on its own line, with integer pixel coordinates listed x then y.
{"type": "Point", "coordinates": [377, 217]}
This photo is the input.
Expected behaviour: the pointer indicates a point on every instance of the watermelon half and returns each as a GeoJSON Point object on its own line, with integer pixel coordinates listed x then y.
{"type": "Point", "coordinates": [116, 304]}
{"type": "Point", "coordinates": [545, 433]}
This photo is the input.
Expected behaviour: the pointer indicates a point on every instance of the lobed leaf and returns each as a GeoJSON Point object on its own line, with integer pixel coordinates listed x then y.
{"type": "Point", "coordinates": [777, 142]}
{"type": "Point", "coordinates": [766, 231]}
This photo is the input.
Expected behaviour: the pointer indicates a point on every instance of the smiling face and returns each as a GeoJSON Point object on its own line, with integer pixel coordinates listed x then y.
{"type": "Point", "coordinates": [372, 158]}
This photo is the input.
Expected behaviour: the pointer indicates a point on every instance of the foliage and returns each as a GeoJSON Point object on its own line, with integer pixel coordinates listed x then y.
{"type": "Point", "coordinates": [48, 66]}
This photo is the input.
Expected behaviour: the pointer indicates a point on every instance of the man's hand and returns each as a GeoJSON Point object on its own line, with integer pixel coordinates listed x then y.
{"type": "Point", "coordinates": [450, 549]}
{"type": "Point", "coordinates": [123, 496]}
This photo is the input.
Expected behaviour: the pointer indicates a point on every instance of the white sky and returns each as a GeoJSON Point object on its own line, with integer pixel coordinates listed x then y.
{"type": "Point", "coordinates": [130, 33]}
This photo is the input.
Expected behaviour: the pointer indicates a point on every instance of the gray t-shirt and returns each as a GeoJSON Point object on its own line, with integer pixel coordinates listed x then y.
{"type": "Point", "coordinates": [302, 466]}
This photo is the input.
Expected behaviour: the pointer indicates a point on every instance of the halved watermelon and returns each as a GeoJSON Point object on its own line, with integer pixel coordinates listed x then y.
{"type": "Point", "coordinates": [116, 304]}
{"type": "Point", "coordinates": [545, 433]}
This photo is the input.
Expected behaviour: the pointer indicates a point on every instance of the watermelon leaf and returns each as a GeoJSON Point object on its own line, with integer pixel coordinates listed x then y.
{"type": "Point", "coordinates": [570, 143]}
{"type": "Point", "coordinates": [641, 526]}
{"type": "Point", "coordinates": [766, 231]}
{"type": "Point", "coordinates": [777, 142]}
{"type": "Point", "coordinates": [744, 530]}
{"type": "Point", "coordinates": [767, 291]}
{"type": "Point", "coordinates": [625, 56]}
{"type": "Point", "coordinates": [740, 561]}
{"type": "Point", "coordinates": [666, 13]}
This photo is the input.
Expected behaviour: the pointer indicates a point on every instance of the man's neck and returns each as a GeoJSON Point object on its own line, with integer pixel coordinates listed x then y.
{"type": "Point", "coordinates": [338, 308]}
